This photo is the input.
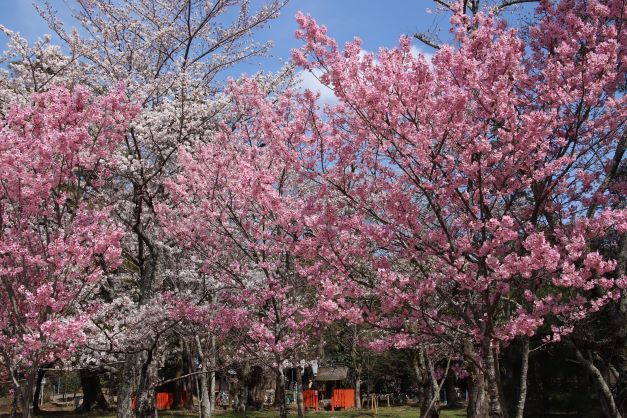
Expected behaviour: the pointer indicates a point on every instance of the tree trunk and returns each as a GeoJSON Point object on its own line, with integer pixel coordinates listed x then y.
{"type": "Point", "coordinates": [189, 382]}
{"type": "Point", "coordinates": [524, 369]}
{"type": "Point", "coordinates": [205, 402]}
{"type": "Point", "coordinates": [241, 398]}
{"type": "Point", "coordinates": [621, 397]}
{"type": "Point", "coordinates": [499, 383]}
{"type": "Point", "coordinates": [426, 392]}
{"type": "Point", "coordinates": [477, 401]}
{"type": "Point", "coordinates": [93, 398]}
{"type": "Point", "coordinates": [621, 353]}
{"type": "Point", "coordinates": [611, 410]}
{"type": "Point", "coordinates": [125, 388]}
{"type": "Point", "coordinates": [256, 382]}
{"type": "Point", "coordinates": [358, 389]}
{"type": "Point", "coordinates": [452, 398]}
{"type": "Point", "coordinates": [145, 405]}
{"type": "Point", "coordinates": [356, 366]}
{"type": "Point", "coordinates": [426, 405]}
{"type": "Point", "coordinates": [494, 401]}
{"type": "Point", "coordinates": [177, 401]}
{"type": "Point", "coordinates": [37, 396]}
{"type": "Point", "coordinates": [212, 376]}
{"type": "Point", "coordinates": [27, 390]}
{"type": "Point", "coordinates": [300, 402]}
{"type": "Point", "coordinates": [280, 391]}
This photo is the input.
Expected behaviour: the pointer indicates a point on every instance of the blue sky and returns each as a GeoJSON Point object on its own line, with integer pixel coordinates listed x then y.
{"type": "Point", "coordinates": [377, 22]}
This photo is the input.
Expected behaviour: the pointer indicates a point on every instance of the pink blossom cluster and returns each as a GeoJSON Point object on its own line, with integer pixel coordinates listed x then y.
{"type": "Point", "coordinates": [464, 194]}
{"type": "Point", "coordinates": [57, 238]}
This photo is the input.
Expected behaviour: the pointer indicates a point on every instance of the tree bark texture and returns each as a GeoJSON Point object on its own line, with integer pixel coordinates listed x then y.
{"type": "Point", "coordinates": [93, 398]}
{"type": "Point", "coordinates": [524, 369]}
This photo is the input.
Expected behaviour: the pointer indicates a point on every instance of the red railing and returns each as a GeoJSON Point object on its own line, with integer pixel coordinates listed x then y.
{"type": "Point", "coordinates": [165, 400]}
{"type": "Point", "coordinates": [343, 398]}
{"type": "Point", "coordinates": [310, 397]}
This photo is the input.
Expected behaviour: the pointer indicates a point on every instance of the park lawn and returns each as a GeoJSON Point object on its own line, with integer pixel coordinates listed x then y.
{"type": "Point", "coordinates": [400, 412]}
{"type": "Point", "coordinates": [392, 412]}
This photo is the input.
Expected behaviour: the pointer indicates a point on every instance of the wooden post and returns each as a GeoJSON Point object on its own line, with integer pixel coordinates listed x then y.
{"type": "Point", "coordinates": [374, 403]}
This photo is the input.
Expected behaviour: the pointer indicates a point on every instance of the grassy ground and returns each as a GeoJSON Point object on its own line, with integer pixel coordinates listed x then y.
{"type": "Point", "coordinates": [396, 412]}
{"type": "Point", "coordinates": [393, 412]}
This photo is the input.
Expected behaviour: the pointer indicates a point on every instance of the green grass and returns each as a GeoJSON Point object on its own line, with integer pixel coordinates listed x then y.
{"type": "Point", "coordinates": [397, 412]}
{"type": "Point", "coordinates": [384, 412]}
{"type": "Point", "coordinates": [401, 412]}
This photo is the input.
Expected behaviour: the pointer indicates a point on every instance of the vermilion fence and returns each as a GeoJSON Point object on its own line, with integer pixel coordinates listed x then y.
{"type": "Point", "coordinates": [343, 398]}
{"type": "Point", "coordinates": [310, 397]}
{"type": "Point", "coordinates": [165, 400]}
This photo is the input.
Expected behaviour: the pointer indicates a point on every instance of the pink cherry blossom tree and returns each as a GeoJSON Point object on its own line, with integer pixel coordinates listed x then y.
{"type": "Point", "coordinates": [474, 186]}
{"type": "Point", "coordinates": [172, 54]}
{"type": "Point", "coordinates": [453, 206]}
{"type": "Point", "coordinates": [56, 238]}
{"type": "Point", "coordinates": [463, 194]}
{"type": "Point", "coordinates": [238, 206]}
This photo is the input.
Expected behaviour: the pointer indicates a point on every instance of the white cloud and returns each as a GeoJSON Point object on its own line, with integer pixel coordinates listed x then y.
{"type": "Point", "coordinates": [416, 51]}
{"type": "Point", "coordinates": [309, 80]}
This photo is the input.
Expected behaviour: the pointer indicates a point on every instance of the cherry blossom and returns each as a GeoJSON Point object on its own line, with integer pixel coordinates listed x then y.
{"type": "Point", "coordinates": [57, 239]}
